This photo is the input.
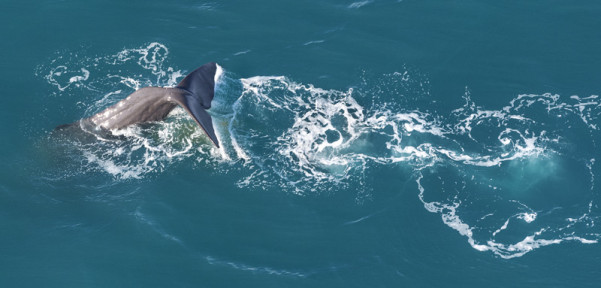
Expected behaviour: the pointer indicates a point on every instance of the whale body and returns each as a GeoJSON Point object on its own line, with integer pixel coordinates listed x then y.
{"type": "Point", "coordinates": [194, 93]}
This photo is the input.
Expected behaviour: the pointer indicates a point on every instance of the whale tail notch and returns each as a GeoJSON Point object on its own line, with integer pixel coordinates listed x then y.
{"type": "Point", "coordinates": [199, 90]}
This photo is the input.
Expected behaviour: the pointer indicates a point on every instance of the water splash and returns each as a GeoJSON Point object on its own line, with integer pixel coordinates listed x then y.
{"type": "Point", "coordinates": [477, 168]}
{"type": "Point", "coordinates": [493, 175]}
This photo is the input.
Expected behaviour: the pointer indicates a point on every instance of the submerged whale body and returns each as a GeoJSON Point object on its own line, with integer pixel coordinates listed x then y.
{"type": "Point", "coordinates": [147, 104]}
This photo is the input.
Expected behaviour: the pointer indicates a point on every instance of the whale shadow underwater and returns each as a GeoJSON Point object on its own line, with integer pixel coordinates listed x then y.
{"type": "Point", "coordinates": [150, 104]}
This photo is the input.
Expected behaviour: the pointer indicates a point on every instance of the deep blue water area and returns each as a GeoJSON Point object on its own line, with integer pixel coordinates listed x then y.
{"type": "Point", "coordinates": [363, 144]}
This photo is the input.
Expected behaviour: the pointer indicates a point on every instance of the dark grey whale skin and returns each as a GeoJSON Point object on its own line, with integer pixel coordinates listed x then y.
{"type": "Point", "coordinates": [194, 93]}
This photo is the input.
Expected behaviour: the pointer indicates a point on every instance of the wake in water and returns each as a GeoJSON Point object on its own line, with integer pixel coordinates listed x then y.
{"type": "Point", "coordinates": [510, 180]}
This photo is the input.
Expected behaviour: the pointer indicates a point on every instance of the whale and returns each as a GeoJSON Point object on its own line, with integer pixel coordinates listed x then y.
{"type": "Point", "coordinates": [149, 104]}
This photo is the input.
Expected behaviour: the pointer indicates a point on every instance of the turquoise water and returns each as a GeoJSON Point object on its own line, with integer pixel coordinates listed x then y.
{"type": "Point", "coordinates": [364, 144]}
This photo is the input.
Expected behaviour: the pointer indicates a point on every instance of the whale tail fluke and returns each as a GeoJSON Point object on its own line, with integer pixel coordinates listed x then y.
{"type": "Point", "coordinates": [199, 87]}
{"type": "Point", "coordinates": [201, 84]}
{"type": "Point", "coordinates": [148, 104]}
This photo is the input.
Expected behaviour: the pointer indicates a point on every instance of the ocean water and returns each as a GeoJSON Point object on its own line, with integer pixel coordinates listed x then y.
{"type": "Point", "coordinates": [364, 144]}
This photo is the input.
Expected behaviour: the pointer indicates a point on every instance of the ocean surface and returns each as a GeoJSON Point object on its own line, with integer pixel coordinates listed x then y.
{"type": "Point", "coordinates": [364, 144]}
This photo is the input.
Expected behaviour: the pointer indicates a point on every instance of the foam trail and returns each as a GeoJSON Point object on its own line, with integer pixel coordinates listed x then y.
{"type": "Point", "coordinates": [326, 142]}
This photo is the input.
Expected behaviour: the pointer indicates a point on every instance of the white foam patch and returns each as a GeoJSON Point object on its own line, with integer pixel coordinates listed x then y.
{"type": "Point", "coordinates": [504, 250]}
{"type": "Point", "coordinates": [150, 57]}
{"type": "Point", "coordinates": [313, 42]}
{"type": "Point", "coordinates": [174, 77]}
{"type": "Point", "coordinates": [527, 217]}
{"type": "Point", "coordinates": [218, 74]}
{"type": "Point", "coordinates": [83, 77]}
{"type": "Point", "coordinates": [63, 77]}
{"type": "Point", "coordinates": [114, 168]}
{"type": "Point", "coordinates": [128, 81]}
{"type": "Point", "coordinates": [359, 4]}
{"type": "Point", "coordinates": [241, 52]}
{"type": "Point", "coordinates": [253, 269]}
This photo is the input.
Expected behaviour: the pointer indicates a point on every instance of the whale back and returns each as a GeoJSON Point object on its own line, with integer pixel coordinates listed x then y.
{"type": "Point", "coordinates": [144, 105]}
